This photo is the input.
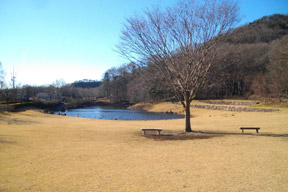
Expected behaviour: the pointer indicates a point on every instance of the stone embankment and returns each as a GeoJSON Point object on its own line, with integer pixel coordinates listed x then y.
{"type": "Point", "coordinates": [232, 102]}
{"type": "Point", "coordinates": [226, 106]}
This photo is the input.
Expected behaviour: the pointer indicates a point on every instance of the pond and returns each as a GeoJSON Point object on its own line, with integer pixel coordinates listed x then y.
{"type": "Point", "coordinates": [118, 114]}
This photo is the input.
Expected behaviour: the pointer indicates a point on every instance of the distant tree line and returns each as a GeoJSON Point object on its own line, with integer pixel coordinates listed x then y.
{"type": "Point", "coordinates": [76, 94]}
{"type": "Point", "coordinates": [133, 84]}
{"type": "Point", "coordinates": [86, 83]}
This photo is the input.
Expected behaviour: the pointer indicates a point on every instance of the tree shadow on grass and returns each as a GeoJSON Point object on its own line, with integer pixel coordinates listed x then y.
{"type": "Point", "coordinates": [6, 118]}
{"type": "Point", "coordinates": [5, 140]}
{"type": "Point", "coordinates": [16, 121]}
{"type": "Point", "coordinates": [178, 135]}
{"type": "Point", "coordinates": [250, 134]}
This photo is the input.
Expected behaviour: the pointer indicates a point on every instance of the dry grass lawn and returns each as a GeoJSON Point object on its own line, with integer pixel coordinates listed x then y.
{"type": "Point", "coordinates": [40, 152]}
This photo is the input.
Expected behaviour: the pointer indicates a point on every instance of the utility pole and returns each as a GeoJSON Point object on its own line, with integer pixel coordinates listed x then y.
{"type": "Point", "coordinates": [13, 79]}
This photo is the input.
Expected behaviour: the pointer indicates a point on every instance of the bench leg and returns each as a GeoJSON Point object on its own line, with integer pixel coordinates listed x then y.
{"type": "Point", "coordinates": [242, 130]}
{"type": "Point", "coordinates": [159, 132]}
{"type": "Point", "coordinates": [256, 130]}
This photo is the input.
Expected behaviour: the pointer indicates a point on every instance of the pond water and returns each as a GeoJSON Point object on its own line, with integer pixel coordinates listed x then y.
{"type": "Point", "coordinates": [118, 114]}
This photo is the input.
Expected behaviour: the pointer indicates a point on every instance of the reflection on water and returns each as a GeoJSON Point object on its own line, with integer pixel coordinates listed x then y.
{"type": "Point", "coordinates": [118, 114]}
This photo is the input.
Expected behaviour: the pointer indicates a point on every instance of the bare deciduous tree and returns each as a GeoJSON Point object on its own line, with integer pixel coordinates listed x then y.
{"type": "Point", "coordinates": [180, 41]}
{"type": "Point", "coordinates": [278, 68]}
{"type": "Point", "coordinates": [2, 78]}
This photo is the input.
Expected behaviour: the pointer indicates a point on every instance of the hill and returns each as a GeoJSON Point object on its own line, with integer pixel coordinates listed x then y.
{"type": "Point", "coordinates": [265, 29]}
{"type": "Point", "coordinates": [252, 63]}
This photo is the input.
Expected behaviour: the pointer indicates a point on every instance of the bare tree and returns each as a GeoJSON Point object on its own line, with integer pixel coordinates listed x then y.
{"type": "Point", "coordinates": [2, 75]}
{"type": "Point", "coordinates": [51, 90]}
{"type": "Point", "coordinates": [106, 87]}
{"type": "Point", "coordinates": [28, 92]}
{"type": "Point", "coordinates": [180, 41]}
{"type": "Point", "coordinates": [58, 84]}
{"type": "Point", "coordinates": [278, 68]}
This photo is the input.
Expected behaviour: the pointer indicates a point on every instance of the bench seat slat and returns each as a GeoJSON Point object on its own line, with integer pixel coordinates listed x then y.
{"type": "Point", "coordinates": [256, 128]}
{"type": "Point", "coordinates": [145, 129]}
{"type": "Point", "coordinates": [151, 129]}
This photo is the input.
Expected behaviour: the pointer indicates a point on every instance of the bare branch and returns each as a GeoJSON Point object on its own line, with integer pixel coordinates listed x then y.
{"type": "Point", "coordinates": [180, 41]}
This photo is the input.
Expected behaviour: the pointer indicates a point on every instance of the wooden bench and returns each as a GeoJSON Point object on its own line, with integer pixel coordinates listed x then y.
{"type": "Point", "coordinates": [256, 128]}
{"type": "Point", "coordinates": [158, 130]}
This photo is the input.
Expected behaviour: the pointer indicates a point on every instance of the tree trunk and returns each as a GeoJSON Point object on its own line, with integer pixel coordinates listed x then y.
{"type": "Point", "coordinates": [187, 116]}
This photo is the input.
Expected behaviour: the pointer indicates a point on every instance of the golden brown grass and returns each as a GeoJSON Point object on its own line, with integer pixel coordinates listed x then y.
{"type": "Point", "coordinates": [40, 152]}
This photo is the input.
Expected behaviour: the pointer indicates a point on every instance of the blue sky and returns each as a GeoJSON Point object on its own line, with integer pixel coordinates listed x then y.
{"type": "Point", "coordinates": [46, 40]}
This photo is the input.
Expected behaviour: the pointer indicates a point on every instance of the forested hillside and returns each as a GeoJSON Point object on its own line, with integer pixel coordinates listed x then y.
{"type": "Point", "coordinates": [252, 63]}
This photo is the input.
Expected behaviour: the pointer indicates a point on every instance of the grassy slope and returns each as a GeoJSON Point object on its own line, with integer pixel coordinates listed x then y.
{"type": "Point", "coordinates": [40, 152]}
